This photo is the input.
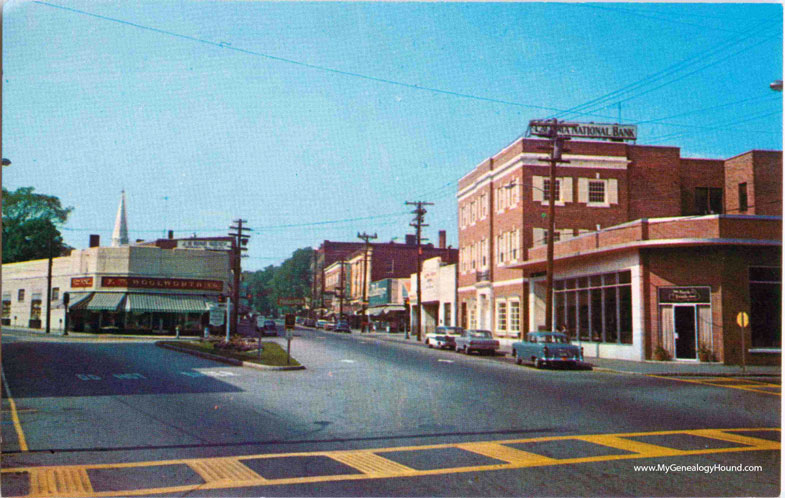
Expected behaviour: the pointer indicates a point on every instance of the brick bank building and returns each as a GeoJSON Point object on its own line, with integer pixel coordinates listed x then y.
{"type": "Point", "coordinates": [654, 253]}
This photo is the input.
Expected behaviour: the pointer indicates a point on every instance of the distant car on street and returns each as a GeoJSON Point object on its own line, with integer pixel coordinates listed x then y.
{"type": "Point", "coordinates": [481, 341]}
{"type": "Point", "coordinates": [547, 348]}
{"type": "Point", "coordinates": [309, 322]}
{"type": "Point", "coordinates": [269, 328]}
{"type": "Point", "coordinates": [342, 327]}
{"type": "Point", "coordinates": [321, 324]}
{"type": "Point", "coordinates": [328, 325]}
{"type": "Point", "coordinates": [443, 337]}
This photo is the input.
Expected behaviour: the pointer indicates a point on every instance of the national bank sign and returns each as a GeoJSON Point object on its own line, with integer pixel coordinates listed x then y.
{"type": "Point", "coordinates": [603, 131]}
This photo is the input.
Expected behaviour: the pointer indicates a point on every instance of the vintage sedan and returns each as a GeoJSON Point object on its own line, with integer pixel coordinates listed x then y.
{"type": "Point", "coordinates": [443, 337]}
{"type": "Point", "coordinates": [547, 348]}
{"type": "Point", "coordinates": [481, 341]}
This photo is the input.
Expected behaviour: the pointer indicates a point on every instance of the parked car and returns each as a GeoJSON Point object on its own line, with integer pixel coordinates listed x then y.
{"type": "Point", "coordinates": [269, 328]}
{"type": "Point", "coordinates": [443, 337]}
{"type": "Point", "coordinates": [328, 325]}
{"type": "Point", "coordinates": [342, 327]}
{"type": "Point", "coordinates": [481, 341]}
{"type": "Point", "coordinates": [309, 322]}
{"type": "Point", "coordinates": [547, 348]}
{"type": "Point", "coordinates": [321, 324]}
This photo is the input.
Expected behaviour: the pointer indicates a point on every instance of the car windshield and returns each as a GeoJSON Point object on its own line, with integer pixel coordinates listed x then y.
{"type": "Point", "coordinates": [551, 338]}
{"type": "Point", "coordinates": [484, 334]}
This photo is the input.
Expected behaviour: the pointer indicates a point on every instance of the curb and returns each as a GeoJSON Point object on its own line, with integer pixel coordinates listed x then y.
{"type": "Point", "coordinates": [687, 374]}
{"type": "Point", "coordinates": [222, 359]}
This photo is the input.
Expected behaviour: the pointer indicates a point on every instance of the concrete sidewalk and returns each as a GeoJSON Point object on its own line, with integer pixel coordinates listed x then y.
{"type": "Point", "coordinates": [666, 368]}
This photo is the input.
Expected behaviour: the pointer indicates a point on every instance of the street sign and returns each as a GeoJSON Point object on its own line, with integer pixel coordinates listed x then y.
{"type": "Point", "coordinates": [217, 314]}
{"type": "Point", "coordinates": [605, 131]}
{"type": "Point", "coordinates": [289, 321]}
{"type": "Point", "coordinates": [743, 319]}
{"type": "Point", "coordinates": [291, 301]}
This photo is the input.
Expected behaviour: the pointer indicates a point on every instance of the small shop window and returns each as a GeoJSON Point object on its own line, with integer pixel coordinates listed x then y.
{"type": "Point", "coordinates": [6, 308]}
{"type": "Point", "coordinates": [55, 293]}
{"type": "Point", "coordinates": [597, 192]}
{"type": "Point", "coordinates": [21, 295]}
{"type": "Point", "coordinates": [35, 309]}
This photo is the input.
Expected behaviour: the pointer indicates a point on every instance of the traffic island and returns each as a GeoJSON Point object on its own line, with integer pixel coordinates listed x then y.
{"type": "Point", "coordinates": [272, 356]}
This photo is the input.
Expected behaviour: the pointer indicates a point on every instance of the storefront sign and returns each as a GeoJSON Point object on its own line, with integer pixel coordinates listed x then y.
{"type": "Point", "coordinates": [291, 301]}
{"type": "Point", "coordinates": [587, 130]}
{"type": "Point", "coordinates": [205, 245]}
{"type": "Point", "coordinates": [81, 282]}
{"type": "Point", "coordinates": [380, 292]}
{"type": "Point", "coordinates": [684, 295]}
{"type": "Point", "coordinates": [162, 283]}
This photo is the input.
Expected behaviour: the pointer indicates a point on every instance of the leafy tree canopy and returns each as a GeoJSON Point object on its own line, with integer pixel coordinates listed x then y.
{"type": "Point", "coordinates": [291, 279]}
{"type": "Point", "coordinates": [30, 222]}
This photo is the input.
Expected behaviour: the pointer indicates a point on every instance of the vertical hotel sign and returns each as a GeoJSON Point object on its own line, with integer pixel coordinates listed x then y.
{"type": "Point", "coordinates": [162, 283]}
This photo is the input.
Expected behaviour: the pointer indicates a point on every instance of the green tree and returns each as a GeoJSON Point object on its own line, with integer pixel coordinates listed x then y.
{"type": "Point", "coordinates": [30, 222]}
{"type": "Point", "coordinates": [291, 279]}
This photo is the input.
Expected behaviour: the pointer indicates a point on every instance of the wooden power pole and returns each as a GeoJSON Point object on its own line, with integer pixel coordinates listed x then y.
{"type": "Point", "coordinates": [419, 217]}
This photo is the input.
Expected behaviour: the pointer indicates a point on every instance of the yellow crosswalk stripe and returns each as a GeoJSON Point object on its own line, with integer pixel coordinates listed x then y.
{"type": "Point", "coordinates": [371, 464]}
{"type": "Point", "coordinates": [59, 481]}
{"type": "Point", "coordinates": [737, 438]}
{"type": "Point", "coordinates": [630, 445]}
{"type": "Point", "coordinates": [219, 470]}
{"type": "Point", "coordinates": [505, 453]}
{"type": "Point", "coordinates": [230, 472]}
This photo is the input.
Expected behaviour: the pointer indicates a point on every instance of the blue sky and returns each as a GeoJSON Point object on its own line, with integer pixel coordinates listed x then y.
{"type": "Point", "coordinates": [316, 121]}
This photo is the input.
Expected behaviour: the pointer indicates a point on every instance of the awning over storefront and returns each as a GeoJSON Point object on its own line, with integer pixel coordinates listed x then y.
{"type": "Point", "coordinates": [381, 310]}
{"type": "Point", "coordinates": [79, 300]}
{"type": "Point", "coordinates": [105, 301]}
{"type": "Point", "coordinates": [163, 303]}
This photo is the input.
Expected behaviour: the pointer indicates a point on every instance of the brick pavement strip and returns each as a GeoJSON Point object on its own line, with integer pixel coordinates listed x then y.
{"type": "Point", "coordinates": [232, 472]}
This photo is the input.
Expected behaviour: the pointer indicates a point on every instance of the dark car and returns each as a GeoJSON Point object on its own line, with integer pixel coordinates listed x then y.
{"type": "Point", "coordinates": [269, 328]}
{"type": "Point", "coordinates": [481, 341]}
{"type": "Point", "coordinates": [342, 327]}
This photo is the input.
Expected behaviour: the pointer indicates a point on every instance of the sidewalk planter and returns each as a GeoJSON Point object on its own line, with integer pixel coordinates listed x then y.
{"type": "Point", "coordinates": [661, 354]}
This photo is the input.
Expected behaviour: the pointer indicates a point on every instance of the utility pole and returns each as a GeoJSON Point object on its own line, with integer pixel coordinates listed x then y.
{"type": "Point", "coordinates": [365, 237]}
{"type": "Point", "coordinates": [419, 217]}
{"type": "Point", "coordinates": [238, 246]}
{"type": "Point", "coordinates": [556, 149]}
{"type": "Point", "coordinates": [341, 289]}
{"type": "Point", "coordinates": [49, 285]}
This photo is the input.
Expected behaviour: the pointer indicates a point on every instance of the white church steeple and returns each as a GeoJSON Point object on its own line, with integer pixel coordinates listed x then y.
{"type": "Point", "coordinates": [120, 233]}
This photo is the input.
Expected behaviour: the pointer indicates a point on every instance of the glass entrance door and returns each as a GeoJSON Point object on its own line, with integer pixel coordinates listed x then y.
{"type": "Point", "coordinates": [684, 325]}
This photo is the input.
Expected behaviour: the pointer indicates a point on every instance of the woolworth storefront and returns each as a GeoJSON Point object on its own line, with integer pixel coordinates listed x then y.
{"type": "Point", "coordinates": [108, 289]}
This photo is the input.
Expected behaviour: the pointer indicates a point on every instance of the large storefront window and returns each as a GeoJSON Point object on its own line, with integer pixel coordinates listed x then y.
{"type": "Point", "coordinates": [766, 307]}
{"type": "Point", "coordinates": [595, 308]}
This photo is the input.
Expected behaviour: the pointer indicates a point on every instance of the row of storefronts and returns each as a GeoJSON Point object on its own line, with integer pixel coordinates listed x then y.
{"type": "Point", "coordinates": [132, 288]}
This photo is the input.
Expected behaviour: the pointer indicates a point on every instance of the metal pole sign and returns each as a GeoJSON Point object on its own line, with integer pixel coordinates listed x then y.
{"type": "Point", "coordinates": [603, 131]}
{"type": "Point", "coordinates": [289, 326]}
{"type": "Point", "coordinates": [743, 320]}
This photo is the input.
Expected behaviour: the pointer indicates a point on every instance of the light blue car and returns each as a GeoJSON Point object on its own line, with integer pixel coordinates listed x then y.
{"type": "Point", "coordinates": [547, 348]}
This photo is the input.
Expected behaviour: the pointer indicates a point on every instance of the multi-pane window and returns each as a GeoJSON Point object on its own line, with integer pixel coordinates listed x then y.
{"type": "Point", "coordinates": [7, 308]}
{"type": "Point", "coordinates": [708, 200]}
{"type": "Point", "coordinates": [472, 315]}
{"type": "Point", "coordinates": [484, 251]}
{"type": "Point", "coordinates": [546, 189]}
{"type": "Point", "coordinates": [595, 308]}
{"type": "Point", "coordinates": [501, 316]}
{"type": "Point", "coordinates": [766, 306]}
{"type": "Point", "coordinates": [597, 191]}
{"type": "Point", "coordinates": [515, 317]}
{"type": "Point", "coordinates": [447, 313]}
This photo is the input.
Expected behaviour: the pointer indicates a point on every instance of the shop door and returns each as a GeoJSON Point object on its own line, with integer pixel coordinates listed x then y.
{"type": "Point", "coordinates": [684, 325]}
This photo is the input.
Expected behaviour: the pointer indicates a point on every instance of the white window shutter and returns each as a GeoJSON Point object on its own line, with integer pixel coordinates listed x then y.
{"type": "Point", "coordinates": [537, 186]}
{"type": "Point", "coordinates": [583, 190]}
{"type": "Point", "coordinates": [566, 189]}
{"type": "Point", "coordinates": [539, 236]}
{"type": "Point", "coordinates": [612, 191]}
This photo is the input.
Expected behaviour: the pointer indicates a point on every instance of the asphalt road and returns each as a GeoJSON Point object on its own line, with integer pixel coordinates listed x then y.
{"type": "Point", "coordinates": [366, 418]}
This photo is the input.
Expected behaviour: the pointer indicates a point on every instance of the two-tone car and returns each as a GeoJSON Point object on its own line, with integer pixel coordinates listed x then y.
{"type": "Point", "coordinates": [547, 348]}
{"type": "Point", "coordinates": [443, 337]}
{"type": "Point", "coordinates": [481, 341]}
